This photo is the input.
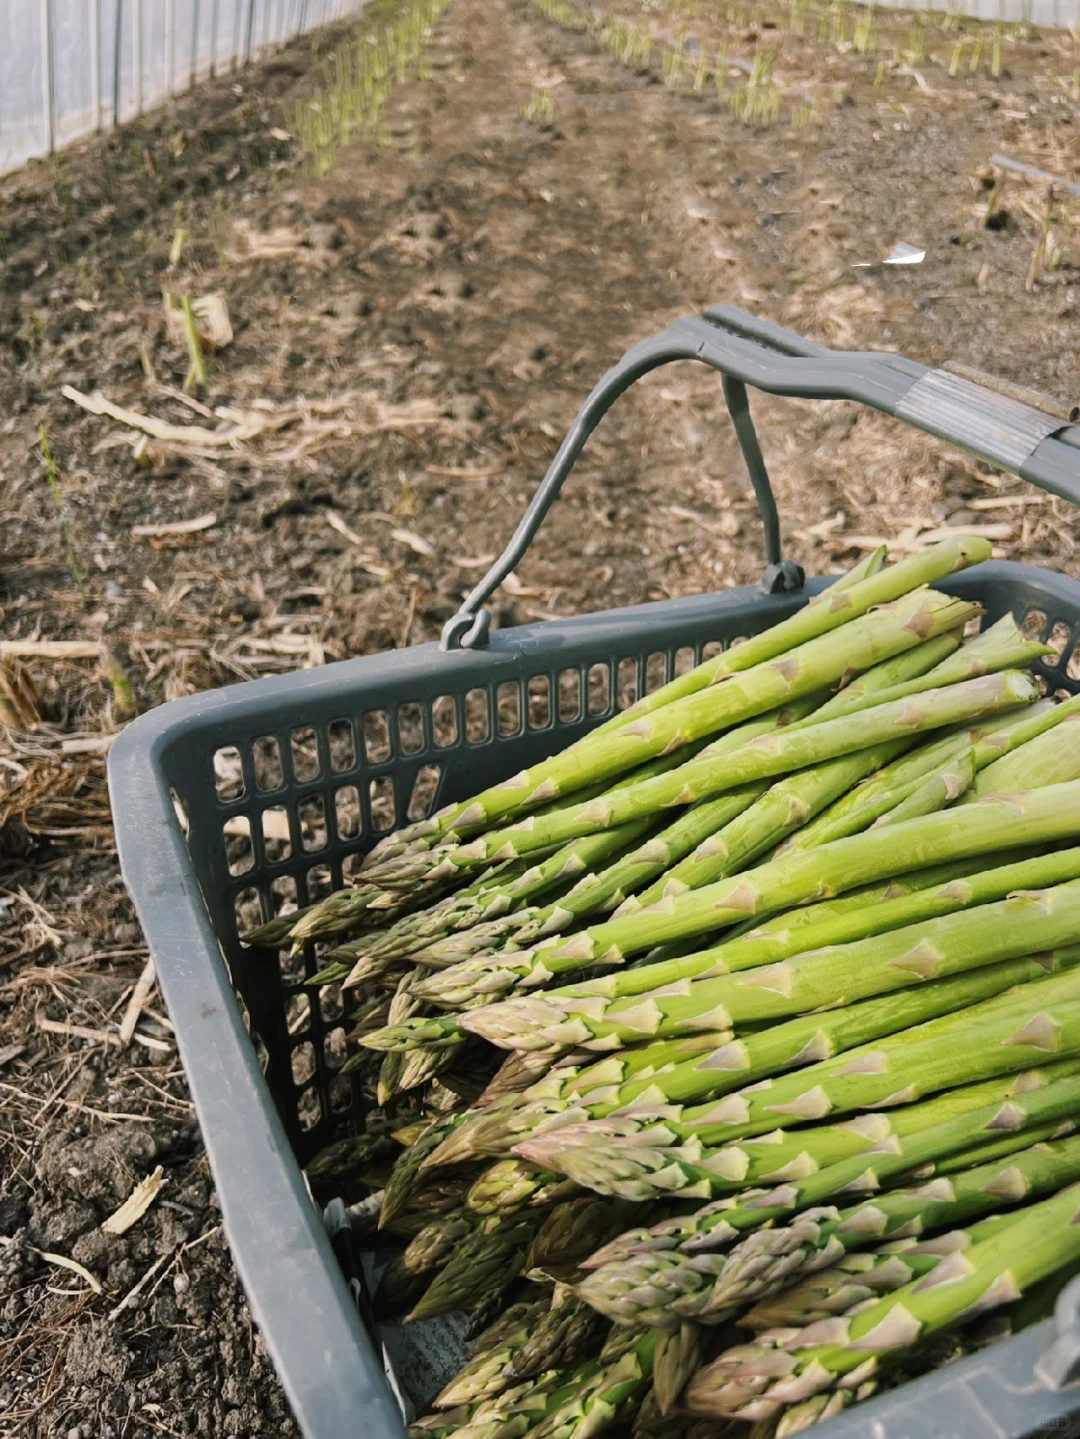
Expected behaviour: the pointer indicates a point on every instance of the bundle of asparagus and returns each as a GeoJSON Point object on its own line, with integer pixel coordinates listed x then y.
{"type": "Point", "coordinates": [757, 1006]}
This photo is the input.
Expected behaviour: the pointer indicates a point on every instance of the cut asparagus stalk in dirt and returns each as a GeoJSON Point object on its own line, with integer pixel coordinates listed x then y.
{"type": "Point", "coordinates": [844, 1352]}
{"type": "Point", "coordinates": [838, 974]}
{"type": "Point", "coordinates": [767, 757]}
{"type": "Point", "coordinates": [577, 1095]}
{"type": "Point", "coordinates": [663, 1287]}
{"type": "Point", "coordinates": [1040, 816]}
{"type": "Point", "coordinates": [863, 1275]}
{"type": "Point", "coordinates": [841, 605]}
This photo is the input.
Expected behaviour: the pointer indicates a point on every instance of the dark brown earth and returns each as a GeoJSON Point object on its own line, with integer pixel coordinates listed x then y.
{"type": "Point", "coordinates": [420, 324]}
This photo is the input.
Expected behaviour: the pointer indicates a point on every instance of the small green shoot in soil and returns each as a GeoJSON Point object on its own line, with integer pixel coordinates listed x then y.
{"type": "Point", "coordinates": [563, 13]}
{"type": "Point", "coordinates": [196, 375]}
{"type": "Point", "coordinates": [56, 487]}
{"type": "Point", "coordinates": [863, 38]}
{"type": "Point", "coordinates": [358, 80]}
{"type": "Point", "coordinates": [805, 114]}
{"type": "Point", "coordinates": [124, 705]}
{"type": "Point", "coordinates": [540, 110]}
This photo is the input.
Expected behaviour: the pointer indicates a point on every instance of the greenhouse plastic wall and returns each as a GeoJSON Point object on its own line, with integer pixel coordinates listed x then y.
{"type": "Point", "coordinates": [69, 67]}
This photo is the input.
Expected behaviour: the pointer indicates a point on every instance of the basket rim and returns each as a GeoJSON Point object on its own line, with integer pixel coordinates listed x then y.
{"type": "Point", "coordinates": [247, 698]}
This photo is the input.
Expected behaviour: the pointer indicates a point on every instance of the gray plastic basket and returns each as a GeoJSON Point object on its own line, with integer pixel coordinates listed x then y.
{"type": "Point", "coordinates": [372, 736]}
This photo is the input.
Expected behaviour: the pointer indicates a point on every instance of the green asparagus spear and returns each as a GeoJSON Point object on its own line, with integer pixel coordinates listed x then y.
{"type": "Point", "coordinates": [664, 1286]}
{"type": "Point", "coordinates": [845, 1351]}
{"type": "Point", "coordinates": [1051, 757]}
{"type": "Point", "coordinates": [1050, 813]}
{"type": "Point", "coordinates": [639, 1160]}
{"type": "Point", "coordinates": [573, 1095]}
{"type": "Point", "coordinates": [863, 1275]}
{"type": "Point", "coordinates": [770, 755]}
{"type": "Point", "coordinates": [489, 1260]}
{"type": "Point", "coordinates": [837, 974]}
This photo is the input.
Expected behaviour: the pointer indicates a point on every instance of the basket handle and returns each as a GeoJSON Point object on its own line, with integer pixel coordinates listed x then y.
{"type": "Point", "coordinates": [746, 352]}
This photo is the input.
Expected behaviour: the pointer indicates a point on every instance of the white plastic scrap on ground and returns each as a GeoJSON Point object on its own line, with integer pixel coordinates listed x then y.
{"type": "Point", "coordinates": [69, 67]}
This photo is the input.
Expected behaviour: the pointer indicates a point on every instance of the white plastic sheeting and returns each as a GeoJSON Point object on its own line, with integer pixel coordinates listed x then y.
{"type": "Point", "coordinates": [68, 67]}
{"type": "Point", "coordinates": [1043, 13]}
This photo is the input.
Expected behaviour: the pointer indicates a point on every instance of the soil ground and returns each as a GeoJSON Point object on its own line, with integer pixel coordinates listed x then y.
{"type": "Point", "coordinates": [415, 324]}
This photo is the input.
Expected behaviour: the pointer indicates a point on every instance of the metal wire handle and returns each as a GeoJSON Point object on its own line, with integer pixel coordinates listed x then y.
{"type": "Point", "coordinates": [746, 351]}
{"type": "Point", "coordinates": [469, 628]}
